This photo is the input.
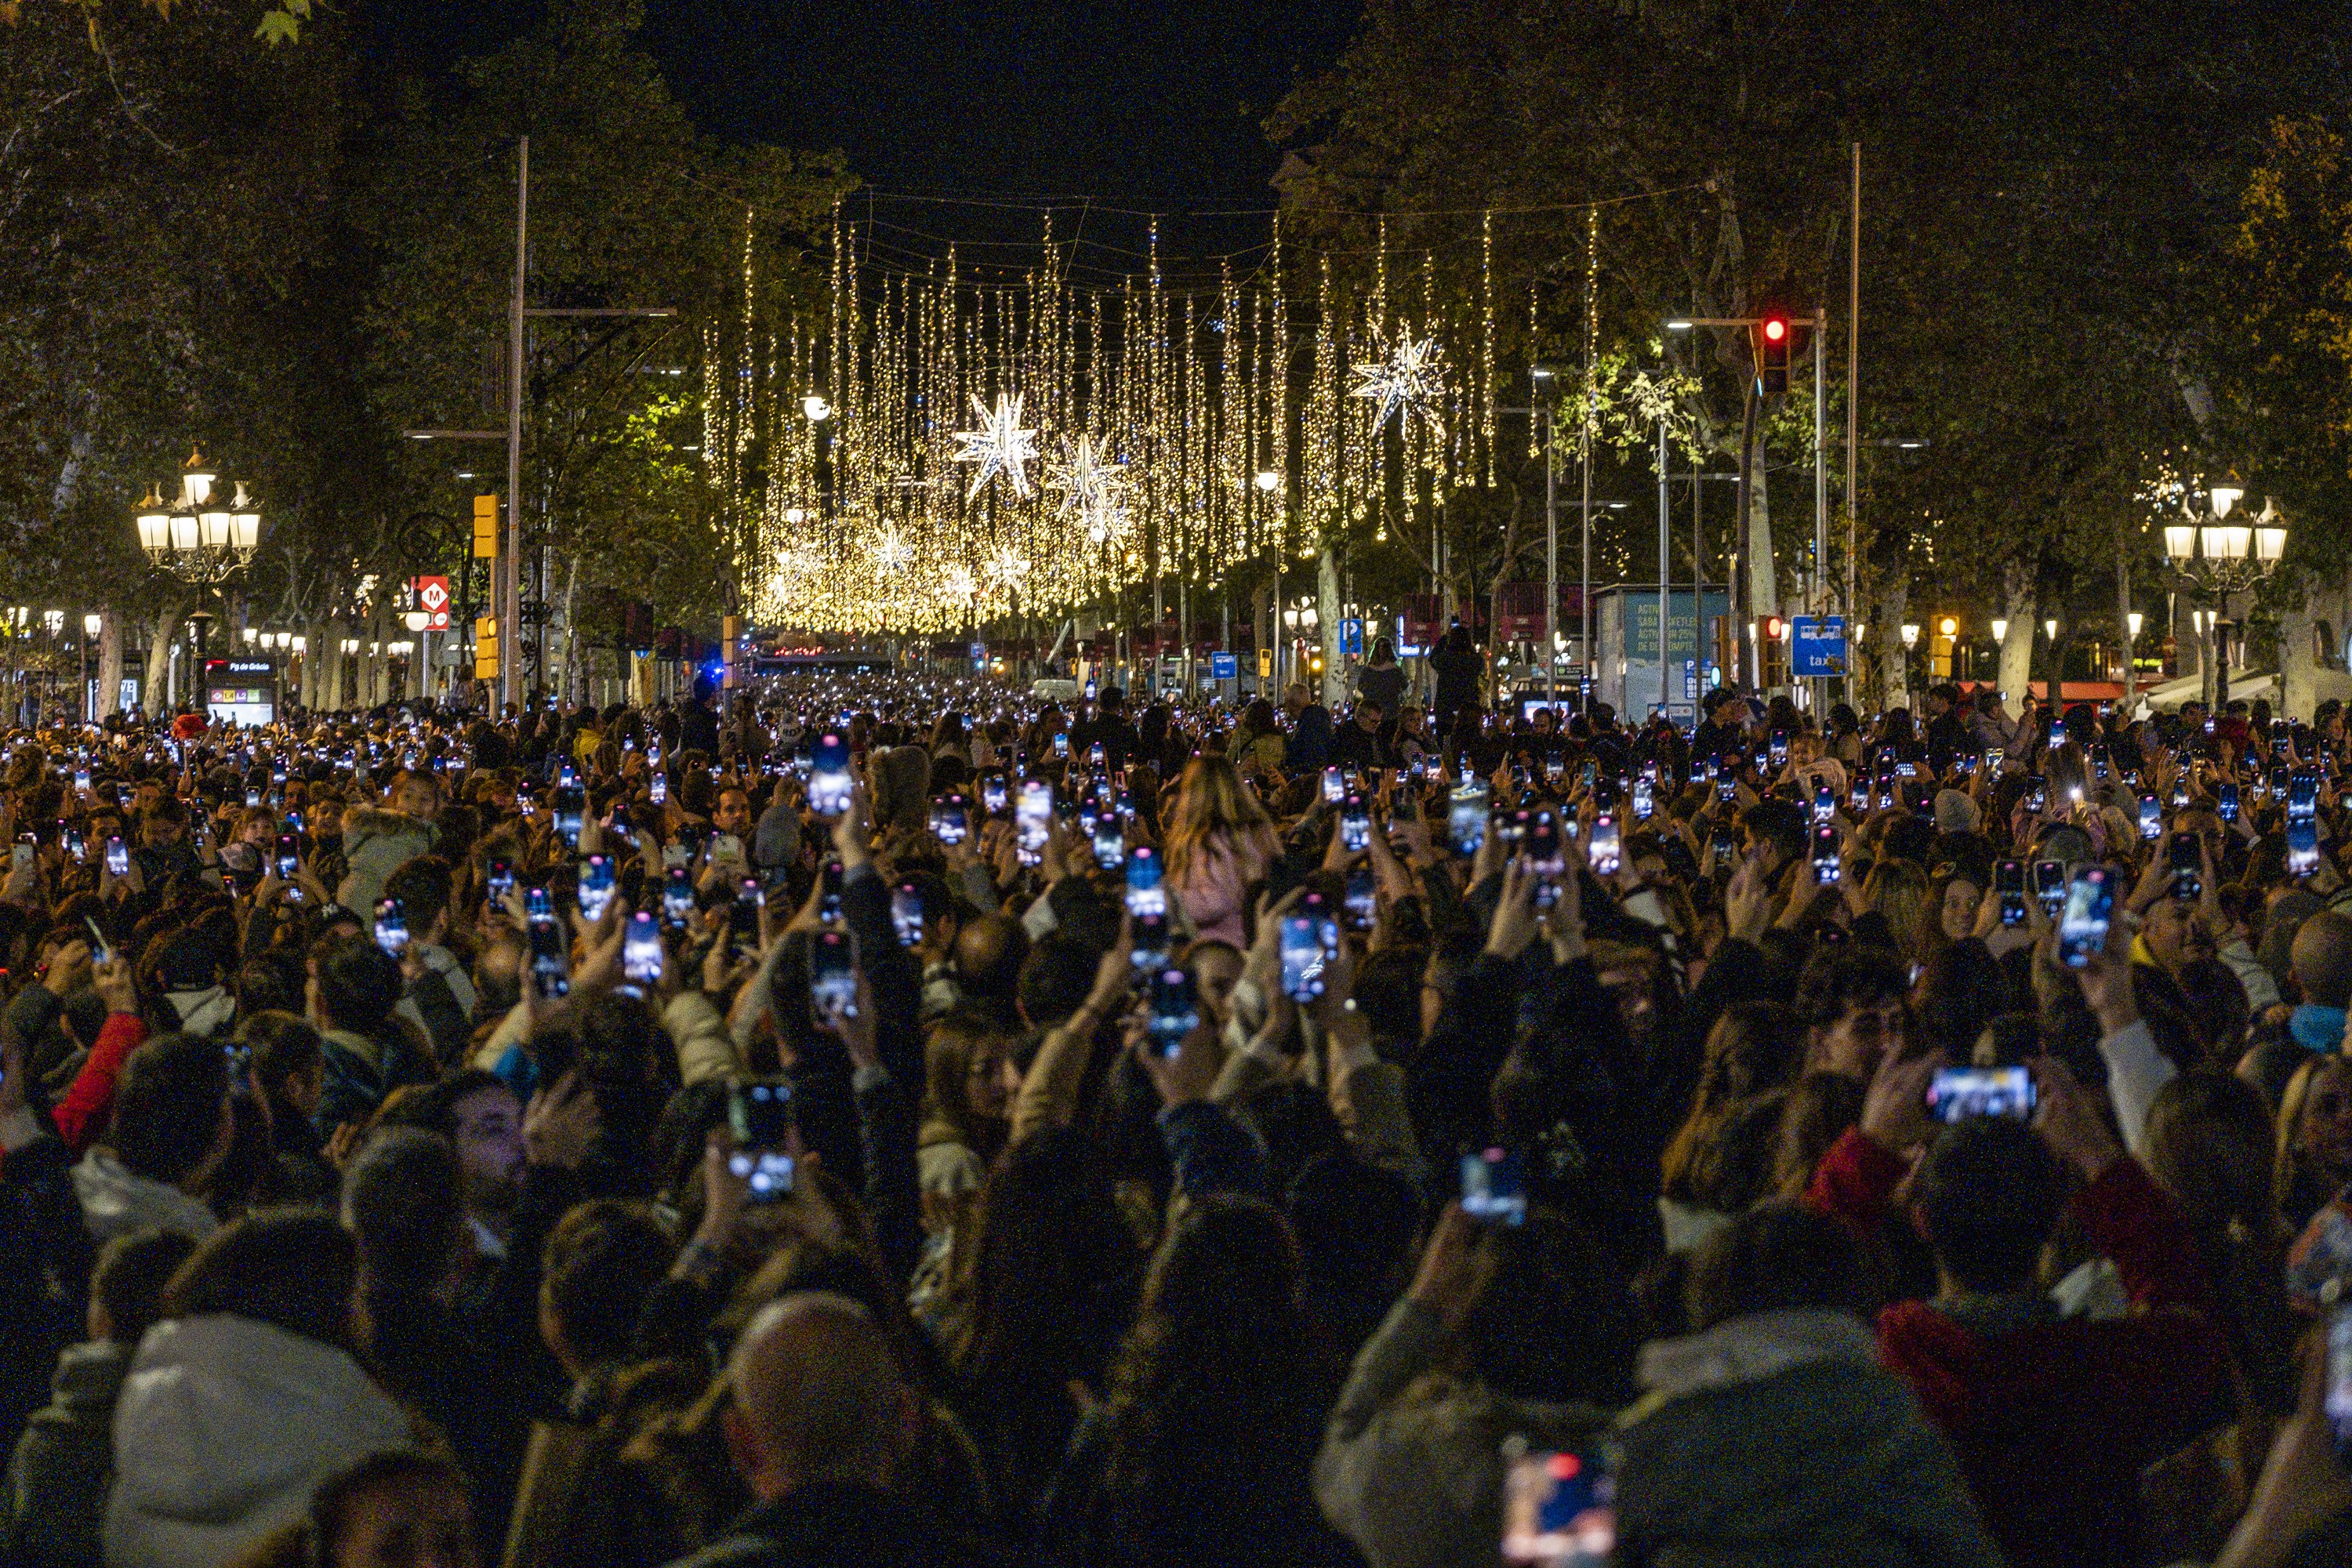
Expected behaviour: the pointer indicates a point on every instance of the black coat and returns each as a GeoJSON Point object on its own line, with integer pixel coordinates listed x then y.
{"type": "Point", "coordinates": [841, 1527]}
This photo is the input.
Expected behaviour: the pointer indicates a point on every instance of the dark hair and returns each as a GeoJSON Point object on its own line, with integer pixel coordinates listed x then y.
{"type": "Point", "coordinates": [402, 1200]}
{"type": "Point", "coordinates": [1864, 977]}
{"type": "Point", "coordinates": [292, 1269]}
{"type": "Point", "coordinates": [359, 984]}
{"type": "Point", "coordinates": [1778, 1256]}
{"type": "Point", "coordinates": [1555, 1322]}
{"type": "Point", "coordinates": [1780, 824]}
{"type": "Point", "coordinates": [1055, 978]}
{"type": "Point", "coordinates": [601, 1265]}
{"type": "Point", "coordinates": [128, 1280]}
{"type": "Point", "coordinates": [169, 1107]}
{"type": "Point", "coordinates": [1988, 1196]}
{"type": "Point", "coordinates": [331, 1503]}
{"type": "Point", "coordinates": [423, 885]}
{"type": "Point", "coordinates": [283, 1047]}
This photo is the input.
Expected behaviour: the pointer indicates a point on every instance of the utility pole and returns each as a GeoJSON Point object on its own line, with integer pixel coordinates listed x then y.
{"type": "Point", "coordinates": [1852, 406]}
{"type": "Point", "coordinates": [1666, 663]}
{"type": "Point", "coordinates": [1820, 593]}
{"type": "Point", "coordinates": [510, 605]}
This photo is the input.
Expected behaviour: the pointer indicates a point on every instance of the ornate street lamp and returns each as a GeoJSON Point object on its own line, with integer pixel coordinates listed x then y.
{"type": "Point", "coordinates": [2216, 558]}
{"type": "Point", "coordinates": [198, 538]}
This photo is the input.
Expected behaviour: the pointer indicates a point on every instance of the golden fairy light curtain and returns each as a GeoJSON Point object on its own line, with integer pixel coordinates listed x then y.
{"type": "Point", "coordinates": [1022, 443]}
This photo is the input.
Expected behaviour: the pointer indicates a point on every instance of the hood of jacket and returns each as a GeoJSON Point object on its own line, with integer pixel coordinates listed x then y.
{"type": "Point", "coordinates": [202, 1012]}
{"type": "Point", "coordinates": [116, 1201]}
{"type": "Point", "coordinates": [225, 1427]}
{"type": "Point", "coordinates": [365, 823]}
{"type": "Point", "coordinates": [1759, 1345]}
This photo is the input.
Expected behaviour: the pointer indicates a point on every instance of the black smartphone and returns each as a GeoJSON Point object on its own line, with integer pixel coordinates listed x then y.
{"type": "Point", "coordinates": [289, 857]}
{"type": "Point", "coordinates": [392, 927]}
{"type": "Point", "coordinates": [760, 1115]}
{"type": "Point", "coordinates": [1494, 1187]}
{"type": "Point", "coordinates": [1826, 854]}
{"type": "Point", "coordinates": [1955, 1094]}
{"type": "Point", "coordinates": [833, 975]}
{"type": "Point", "coordinates": [1174, 1009]}
{"type": "Point", "coordinates": [678, 896]}
{"type": "Point", "coordinates": [550, 957]}
{"type": "Point", "coordinates": [501, 878]}
{"type": "Point", "coordinates": [906, 913]}
{"type": "Point", "coordinates": [743, 916]}
{"type": "Point", "coordinates": [2089, 912]}
{"type": "Point", "coordinates": [2009, 886]}
{"type": "Point", "coordinates": [2185, 859]}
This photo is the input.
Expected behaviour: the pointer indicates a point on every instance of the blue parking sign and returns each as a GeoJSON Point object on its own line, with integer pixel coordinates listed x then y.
{"type": "Point", "coordinates": [1351, 636]}
{"type": "Point", "coordinates": [1223, 666]}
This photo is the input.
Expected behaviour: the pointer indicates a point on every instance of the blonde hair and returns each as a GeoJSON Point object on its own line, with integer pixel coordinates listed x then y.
{"type": "Point", "coordinates": [2293, 1106]}
{"type": "Point", "coordinates": [1897, 889]}
{"type": "Point", "coordinates": [1210, 802]}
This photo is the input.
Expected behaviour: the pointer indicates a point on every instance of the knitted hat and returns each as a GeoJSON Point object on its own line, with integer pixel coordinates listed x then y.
{"type": "Point", "coordinates": [1955, 812]}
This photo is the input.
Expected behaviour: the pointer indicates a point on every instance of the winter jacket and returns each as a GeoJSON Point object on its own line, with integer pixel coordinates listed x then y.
{"type": "Point", "coordinates": [208, 1010]}
{"type": "Point", "coordinates": [117, 1201]}
{"type": "Point", "coordinates": [361, 1071]}
{"type": "Point", "coordinates": [1411, 1464]}
{"type": "Point", "coordinates": [224, 1427]}
{"type": "Point", "coordinates": [1772, 1439]}
{"type": "Point", "coordinates": [2052, 1419]}
{"type": "Point", "coordinates": [834, 1526]}
{"type": "Point", "coordinates": [376, 843]}
{"type": "Point", "coordinates": [57, 1480]}
{"type": "Point", "coordinates": [82, 1115]}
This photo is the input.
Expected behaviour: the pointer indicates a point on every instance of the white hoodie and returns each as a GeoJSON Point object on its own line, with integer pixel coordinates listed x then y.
{"type": "Point", "coordinates": [224, 1427]}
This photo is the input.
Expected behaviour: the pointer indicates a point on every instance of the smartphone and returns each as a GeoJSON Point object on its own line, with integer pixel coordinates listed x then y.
{"type": "Point", "coordinates": [596, 887]}
{"type": "Point", "coordinates": [1494, 1187]}
{"type": "Point", "coordinates": [760, 1114]}
{"type": "Point", "coordinates": [2338, 1401]}
{"type": "Point", "coordinates": [1361, 900]}
{"type": "Point", "coordinates": [1644, 799]}
{"type": "Point", "coordinates": [2082, 923]}
{"type": "Point", "coordinates": [833, 975]}
{"type": "Point", "coordinates": [2225, 802]}
{"type": "Point", "coordinates": [2009, 886]}
{"type": "Point", "coordinates": [1110, 843]}
{"type": "Point", "coordinates": [678, 896]}
{"type": "Point", "coordinates": [289, 857]}
{"type": "Point", "coordinates": [81, 782]}
{"type": "Point", "coordinates": [1335, 786]}
{"type": "Point", "coordinates": [1355, 825]}
{"type": "Point", "coordinates": [659, 789]}
{"type": "Point", "coordinates": [992, 793]}
{"type": "Point", "coordinates": [391, 926]}
{"type": "Point", "coordinates": [828, 784]}
{"type": "Point", "coordinates": [1955, 1094]}
{"type": "Point", "coordinates": [1147, 907]}
{"type": "Point", "coordinates": [570, 803]}
{"type": "Point", "coordinates": [2050, 886]}
{"type": "Point", "coordinates": [906, 913]}
{"type": "Point", "coordinates": [501, 878]}
{"type": "Point", "coordinates": [641, 953]}
{"type": "Point", "coordinates": [1559, 1509]}
{"type": "Point", "coordinates": [1306, 949]}
{"type": "Point", "coordinates": [1174, 1009]}
{"type": "Point", "coordinates": [1062, 746]}
{"type": "Point", "coordinates": [2303, 796]}
{"type": "Point", "coordinates": [950, 822]}
{"type": "Point", "coordinates": [1095, 757]}
{"type": "Point", "coordinates": [1775, 750]}
{"type": "Point", "coordinates": [2302, 847]}
{"type": "Point", "coordinates": [1824, 803]}
{"type": "Point", "coordinates": [2037, 793]}
{"type": "Point", "coordinates": [1032, 820]}
{"type": "Point", "coordinates": [743, 915]}
{"type": "Point", "coordinates": [2185, 859]}
{"type": "Point", "coordinates": [118, 859]}
{"type": "Point", "coordinates": [1465, 821]}
{"type": "Point", "coordinates": [1826, 856]}
{"type": "Point", "coordinates": [2152, 818]}
{"type": "Point", "coordinates": [1603, 850]}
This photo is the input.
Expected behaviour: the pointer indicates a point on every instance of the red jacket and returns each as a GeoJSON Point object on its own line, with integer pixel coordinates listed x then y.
{"type": "Point", "coordinates": [82, 1114]}
{"type": "Point", "coordinates": [2053, 1421]}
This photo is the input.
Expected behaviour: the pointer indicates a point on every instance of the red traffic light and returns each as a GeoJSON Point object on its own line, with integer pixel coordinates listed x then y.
{"type": "Point", "coordinates": [1775, 330]}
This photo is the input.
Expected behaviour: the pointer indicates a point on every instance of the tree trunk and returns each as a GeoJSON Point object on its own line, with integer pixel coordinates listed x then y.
{"type": "Point", "coordinates": [2123, 625]}
{"type": "Point", "coordinates": [1886, 624]}
{"type": "Point", "coordinates": [109, 661]}
{"type": "Point", "coordinates": [1763, 583]}
{"type": "Point", "coordinates": [2016, 604]}
{"type": "Point", "coordinates": [1327, 611]}
{"type": "Point", "coordinates": [159, 656]}
{"type": "Point", "coordinates": [2298, 683]}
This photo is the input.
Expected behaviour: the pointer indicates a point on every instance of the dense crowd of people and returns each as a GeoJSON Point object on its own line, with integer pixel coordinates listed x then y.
{"type": "Point", "coordinates": [902, 1121]}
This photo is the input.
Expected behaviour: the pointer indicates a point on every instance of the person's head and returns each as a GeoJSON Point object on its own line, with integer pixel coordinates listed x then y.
{"type": "Point", "coordinates": [990, 952]}
{"type": "Point", "coordinates": [401, 1201]}
{"type": "Point", "coordinates": [1852, 1007]}
{"type": "Point", "coordinates": [356, 985]}
{"type": "Point", "coordinates": [1112, 700]}
{"type": "Point", "coordinates": [1216, 968]}
{"type": "Point", "coordinates": [172, 1120]}
{"type": "Point", "coordinates": [295, 1269]}
{"type": "Point", "coordinates": [964, 1062]}
{"type": "Point", "coordinates": [479, 1114]}
{"type": "Point", "coordinates": [1554, 1322]}
{"type": "Point", "coordinates": [398, 1508]}
{"type": "Point", "coordinates": [600, 1267]}
{"type": "Point", "coordinates": [416, 793]}
{"type": "Point", "coordinates": [1897, 889]}
{"type": "Point", "coordinates": [1985, 1199]}
{"type": "Point", "coordinates": [2315, 1130]}
{"type": "Point", "coordinates": [733, 812]}
{"type": "Point", "coordinates": [163, 823]}
{"type": "Point", "coordinates": [1210, 802]}
{"type": "Point", "coordinates": [1778, 1257]}
{"type": "Point", "coordinates": [2210, 1142]}
{"type": "Point", "coordinates": [817, 1398]}
{"type": "Point", "coordinates": [1955, 897]}
{"type": "Point", "coordinates": [1383, 651]}
{"type": "Point", "coordinates": [126, 1285]}
{"type": "Point", "coordinates": [1369, 714]}
{"type": "Point", "coordinates": [423, 885]}
{"type": "Point", "coordinates": [2322, 959]}
{"type": "Point", "coordinates": [1055, 978]}
{"type": "Point", "coordinates": [1776, 832]}
{"type": "Point", "coordinates": [2176, 938]}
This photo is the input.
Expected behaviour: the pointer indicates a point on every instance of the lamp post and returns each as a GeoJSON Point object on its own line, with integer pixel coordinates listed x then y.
{"type": "Point", "coordinates": [1910, 641]}
{"type": "Point", "coordinates": [2217, 558]}
{"type": "Point", "coordinates": [198, 539]}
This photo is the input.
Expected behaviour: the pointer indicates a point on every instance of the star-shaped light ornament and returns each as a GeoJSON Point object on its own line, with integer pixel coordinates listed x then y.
{"type": "Point", "coordinates": [892, 554]}
{"type": "Point", "coordinates": [999, 446]}
{"type": "Point", "coordinates": [1087, 479]}
{"type": "Point", "coordinates": [959, 584]}
{"type": "Point", "coordinates": [1006, 567]}
{"type": "Point", "coordinates": [1404, 381]}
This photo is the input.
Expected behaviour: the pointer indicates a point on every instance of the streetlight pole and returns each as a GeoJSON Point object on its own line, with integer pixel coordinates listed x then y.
{"type": "Point", "coordinates": [2220, 558]}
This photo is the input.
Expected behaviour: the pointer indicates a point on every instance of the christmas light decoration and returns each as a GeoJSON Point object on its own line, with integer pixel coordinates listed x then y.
{"type": "Point", "coordinates": [999, 446]}
{"type": "Point", "coordinates": [1407, 380]}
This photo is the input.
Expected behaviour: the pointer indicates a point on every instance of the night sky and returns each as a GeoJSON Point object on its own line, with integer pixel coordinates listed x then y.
{"type": "Point", "coordinates": [1154, 107]}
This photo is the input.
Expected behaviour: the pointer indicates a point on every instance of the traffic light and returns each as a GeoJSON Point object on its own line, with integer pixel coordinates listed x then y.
{"type": "Point", "coordinates": [485, 527]}
{"type": "Point", "coordinates": [1774, 334]}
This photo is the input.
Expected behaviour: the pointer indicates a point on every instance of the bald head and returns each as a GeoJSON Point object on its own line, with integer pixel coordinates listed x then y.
{"type": "Point", "coordinates": [989, 951]}
{"type": "Point", "coordinates": [2322, 959]}
{"type": "Point", "coordinates": [818, 1397]}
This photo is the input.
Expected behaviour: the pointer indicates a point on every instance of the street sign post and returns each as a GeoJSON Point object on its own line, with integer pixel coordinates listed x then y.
{"type": "Point", "coordinates": [1817, 647]}
{"type": "Point", "coordinates": [1223, 666]}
